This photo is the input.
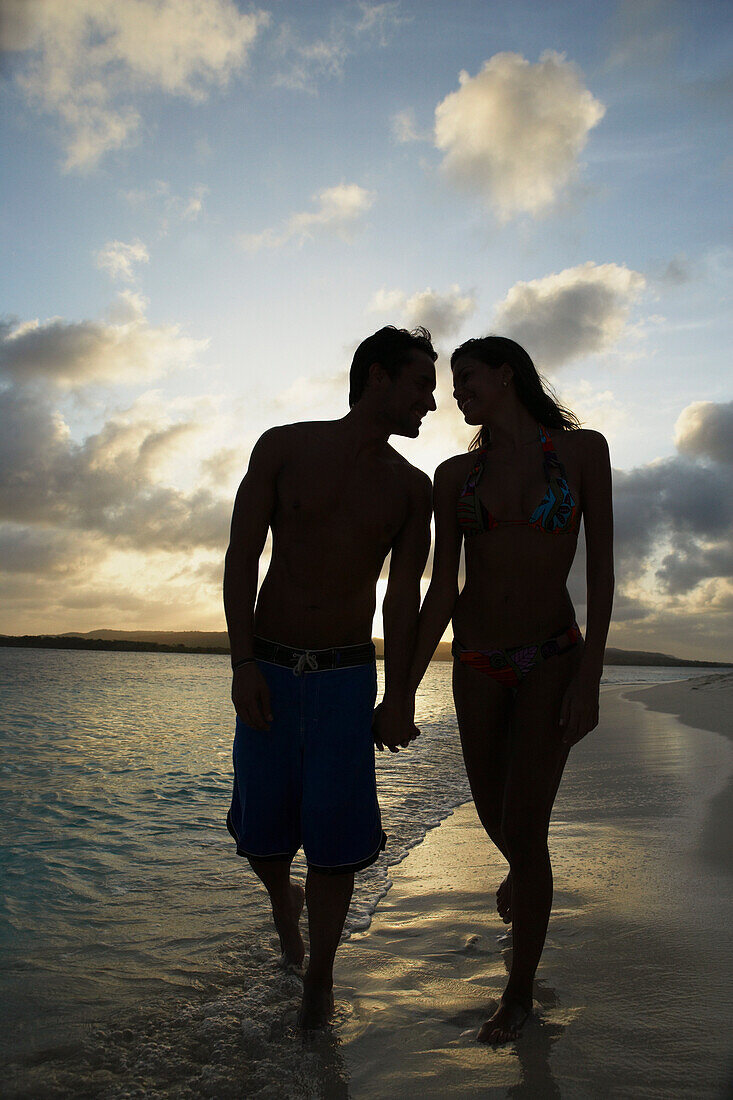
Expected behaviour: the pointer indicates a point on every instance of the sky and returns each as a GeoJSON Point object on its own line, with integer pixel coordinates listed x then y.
{"type": "Point", "coordinates": [208, 204]}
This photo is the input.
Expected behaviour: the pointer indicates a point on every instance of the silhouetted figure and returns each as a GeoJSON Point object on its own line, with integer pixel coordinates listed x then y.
{"type": "Point", "coordinates": [338, 499]}
{"type": "Point", "coordinates": [525, 683]}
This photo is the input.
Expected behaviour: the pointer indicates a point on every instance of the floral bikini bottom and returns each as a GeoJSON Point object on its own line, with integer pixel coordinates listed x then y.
{"type": "Point", "coordinates": [510, 666]}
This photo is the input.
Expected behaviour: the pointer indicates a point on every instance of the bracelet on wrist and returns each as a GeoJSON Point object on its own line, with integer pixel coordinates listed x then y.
{"type": "Point", "coordinates": [241, 662]}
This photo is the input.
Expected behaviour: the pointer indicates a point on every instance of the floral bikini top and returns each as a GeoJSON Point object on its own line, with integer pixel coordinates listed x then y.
{"type": "Point", "coordinates": [556, 513]}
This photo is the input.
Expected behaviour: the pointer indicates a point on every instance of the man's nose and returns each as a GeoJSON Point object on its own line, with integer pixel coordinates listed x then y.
{"type": "Point", "coordinates": [431, 405]}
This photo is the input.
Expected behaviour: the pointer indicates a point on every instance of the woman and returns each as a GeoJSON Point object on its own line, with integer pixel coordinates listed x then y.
{"type": "Point", "coordinates": [525, 683]}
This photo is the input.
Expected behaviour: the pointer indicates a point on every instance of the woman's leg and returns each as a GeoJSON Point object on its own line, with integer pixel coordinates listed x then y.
{"type": "Point", "coordinates": [483, 709]}
{"type": "Point", "coordinates": [535, 766]}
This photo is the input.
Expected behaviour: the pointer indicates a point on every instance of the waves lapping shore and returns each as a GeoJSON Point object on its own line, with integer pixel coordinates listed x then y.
{"type": "Point", "coordinates": [154, 965]}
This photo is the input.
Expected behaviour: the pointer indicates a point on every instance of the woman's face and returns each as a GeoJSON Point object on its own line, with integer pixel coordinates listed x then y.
{"type": "Point", "coordinates": [478, 388]}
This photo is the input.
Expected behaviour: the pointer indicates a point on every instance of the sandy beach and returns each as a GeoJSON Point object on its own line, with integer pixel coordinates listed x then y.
{"type": "Point", "coordinates": [634, 991]}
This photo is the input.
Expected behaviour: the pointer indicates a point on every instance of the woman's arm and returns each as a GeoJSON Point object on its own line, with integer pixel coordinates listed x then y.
{"type": "Point", "coordinates": [580, 706]}
{"type": "Point", "coordinates": [437, 607]}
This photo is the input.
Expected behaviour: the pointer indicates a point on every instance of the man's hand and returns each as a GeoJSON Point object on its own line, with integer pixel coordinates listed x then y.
{"type": "Point", "coordinates": [393, 724]}
{"type": "Point", "coordinates": [579, 711]}
{"type": "Point", "coordinates": [251, 697]}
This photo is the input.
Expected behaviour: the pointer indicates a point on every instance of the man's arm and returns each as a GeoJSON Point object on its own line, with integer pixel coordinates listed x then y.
{"type": "Point", "coordinates": [253, 509]}
{"type": "Point", "coordinates": [400, 611]}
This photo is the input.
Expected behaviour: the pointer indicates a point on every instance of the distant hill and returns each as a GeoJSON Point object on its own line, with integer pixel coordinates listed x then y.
{"type": "Point", "coordinates": [192, 639]}
{"type": "Point", "coordinates": [217, 641]}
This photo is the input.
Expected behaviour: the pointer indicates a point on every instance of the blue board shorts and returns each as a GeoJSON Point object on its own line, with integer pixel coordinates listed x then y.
{"type": "Point", "coordinates": [309, 780]}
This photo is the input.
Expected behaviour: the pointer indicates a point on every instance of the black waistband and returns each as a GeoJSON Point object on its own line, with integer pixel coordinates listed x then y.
{"type": "Point", "coordinates": [313, 660]}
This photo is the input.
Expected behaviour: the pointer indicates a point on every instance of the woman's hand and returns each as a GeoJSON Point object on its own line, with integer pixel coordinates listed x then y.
{"type": "Point", "coordinates": [579, 710]}
{"type": "Point", "coordinates": [393, 724]}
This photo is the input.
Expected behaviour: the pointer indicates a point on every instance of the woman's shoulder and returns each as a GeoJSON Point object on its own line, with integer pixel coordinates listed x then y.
{"type": "Point", "coordinates": [584, 441]}
{"type": "Point", "coordinates": [457, 467]}
{"type": "Point", "coordinates": [590, 442]}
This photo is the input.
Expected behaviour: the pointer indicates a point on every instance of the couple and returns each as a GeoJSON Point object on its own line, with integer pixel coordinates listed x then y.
{"type": "Point", "coordinates": [338, 499]}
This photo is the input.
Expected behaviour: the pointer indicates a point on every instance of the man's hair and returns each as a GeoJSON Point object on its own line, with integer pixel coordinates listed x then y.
{"type": "Point", "coordinates": [390, 347]}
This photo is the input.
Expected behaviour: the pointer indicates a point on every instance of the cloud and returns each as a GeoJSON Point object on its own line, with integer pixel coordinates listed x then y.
{"type": "Point", "coordinates": [640, 37]}
{"type": "Point", "coordinates": [307, 392]}
{"type": "Point", "coordinates": [222, 466]}
{"type": "Point", "coordinates": [677, 271]}
{"type": "Point", "coordinates": [404, 127]}
{"type": "Point", "coordinates": [83, 62]}
{"type": "Point", "coordinates": [674, 517]}
{"type": "Point", "coordinates": [380, 19]}
{"type": "Point", "coordinates": [513, 133]}
{"type": "Point", "coordinates": [338, 210]}
{"type": "Point", "coordinates": [442, 314]}
{"type": "Point", "coordinates": [69, 354]}
{"type": "Point", "coordinates": [171, 207]}
{"type": "Point", "coordinates": [705, 430]}
{"type": "Point", "coordinates": [118, 259]}
{"type": "Point", "coordinates": [576, 312]}
{"type": "Point", "coordinates": [105, 484]}
{"type": "Point", "coordinates": [303, 64]}
{"type": "Point", "coordinates": [39, 550]}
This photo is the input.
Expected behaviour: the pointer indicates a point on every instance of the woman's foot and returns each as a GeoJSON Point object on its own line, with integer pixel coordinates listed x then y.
{"type": "Point", "coordinates": [506, 1023]}
{"type": "Point", "coordinates": [504, 900]}
{"type": "Point", "coordinates": [287, 919]}
{"type": "Point", "coordinates": [317, 1006]}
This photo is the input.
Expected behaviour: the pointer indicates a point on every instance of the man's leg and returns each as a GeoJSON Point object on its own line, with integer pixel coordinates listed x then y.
{"type": "Point", "coordinates": [328, 898]}
{"type": "Point", "coordinates": [287, 900]}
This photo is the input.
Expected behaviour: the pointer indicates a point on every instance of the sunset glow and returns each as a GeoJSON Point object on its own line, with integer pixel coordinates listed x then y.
{"type": "Point", "coordinates": [208, 205]}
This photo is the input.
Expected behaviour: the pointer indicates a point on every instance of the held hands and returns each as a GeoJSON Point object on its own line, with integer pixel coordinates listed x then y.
{"type": "Point", "coordinates": [251, 697]}
{"type": "Point", "coordinates": [579, 710]}
{"type": "Point", "coordinates": [393, 724]}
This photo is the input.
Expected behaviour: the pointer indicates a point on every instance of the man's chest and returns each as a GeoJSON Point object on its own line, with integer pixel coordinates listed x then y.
{"type": "Point", "coordinates": [331, 493]}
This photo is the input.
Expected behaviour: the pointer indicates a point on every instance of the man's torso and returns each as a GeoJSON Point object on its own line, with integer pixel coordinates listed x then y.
{"type": "Point", "coordinates": [336, 515]}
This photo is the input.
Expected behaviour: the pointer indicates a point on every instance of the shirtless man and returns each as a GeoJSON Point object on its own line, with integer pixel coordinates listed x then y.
{"type": "Point", "coordinates": [338, 498]}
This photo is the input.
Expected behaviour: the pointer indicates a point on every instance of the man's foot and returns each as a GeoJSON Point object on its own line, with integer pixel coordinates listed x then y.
{"type": "Point", "coordinates": [317, 1006]}
{"type": "Point", "coordinates": [506, 1023]}
{"type": "Point", "coordinates": [286, 922]}
{"type": "Point", "coordinates": [504, 900]}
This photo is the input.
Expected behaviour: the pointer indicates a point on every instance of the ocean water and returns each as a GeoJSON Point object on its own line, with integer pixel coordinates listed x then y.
{"type": "Point", "coordinates": [131, 935]}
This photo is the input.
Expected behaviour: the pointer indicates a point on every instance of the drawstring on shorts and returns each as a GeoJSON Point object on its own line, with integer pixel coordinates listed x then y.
{"type": "Point", "coordinates": [308, 658]}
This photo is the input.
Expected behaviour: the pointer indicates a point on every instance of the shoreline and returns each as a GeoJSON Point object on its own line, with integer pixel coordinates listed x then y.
{"type": "Point", "coordinates": [629, 839]}
{"type": "Point", "coordinates": [621, 658]}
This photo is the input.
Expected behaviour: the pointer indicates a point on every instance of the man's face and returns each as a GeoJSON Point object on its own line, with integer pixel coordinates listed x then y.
{"type": "Point", "coordinates": [410, 395]}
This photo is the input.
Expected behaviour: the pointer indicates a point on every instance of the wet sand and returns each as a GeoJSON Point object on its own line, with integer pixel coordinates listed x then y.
{"type": "Point", "coordinates": [634, 991]}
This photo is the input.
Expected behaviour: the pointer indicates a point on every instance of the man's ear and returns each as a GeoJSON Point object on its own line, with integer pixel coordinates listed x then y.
{"type": "Point", "coordinates": [376, 374]}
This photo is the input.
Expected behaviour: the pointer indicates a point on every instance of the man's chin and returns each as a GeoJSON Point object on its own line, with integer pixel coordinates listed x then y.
{"type": "Point", "coordinates": [412, 431]}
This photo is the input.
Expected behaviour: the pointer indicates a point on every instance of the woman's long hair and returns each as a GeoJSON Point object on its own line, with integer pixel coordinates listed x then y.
{"type": "Point", "coordinates": [533, 390]}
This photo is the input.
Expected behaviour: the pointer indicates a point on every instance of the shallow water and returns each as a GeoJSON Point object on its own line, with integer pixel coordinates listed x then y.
{"type": "Point", "coordinates": [121, 886]}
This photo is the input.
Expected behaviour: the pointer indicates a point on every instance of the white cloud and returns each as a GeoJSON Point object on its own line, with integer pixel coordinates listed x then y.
{"type": "Point", "coordinates": [302, 64]}
{"type": "Point", "coordinates": [579, 311]}
{"type": "Point", "coordinates": [513, 133]}
{"type": "Point", "coordinates": [705, 430]}
{"type": "Point", "coordinates": [321, 389]}
{"type": "Point", "coordinates": [441, 314]}
{"type": "Point", "coordinates": [69, 354]}
{"type": "Point", "coordinates": [404, 127]}
{"type": "Point", "coordinates": [118, 259]}
{"type": "Point", "coordinates": [379, 19]}
{"type": "Point", "coordinates": [308, 62]}
{"type": "Point", "coordinates": [87, 59]}
{"type": "Point", "coordinates": [338, 210]}
{"type": "Point", "coordinates": [598, 409]}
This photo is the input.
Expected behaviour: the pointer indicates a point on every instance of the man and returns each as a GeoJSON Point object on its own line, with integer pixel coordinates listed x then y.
{"type": "Point", "coordinates": [338, 498]}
